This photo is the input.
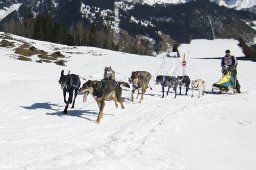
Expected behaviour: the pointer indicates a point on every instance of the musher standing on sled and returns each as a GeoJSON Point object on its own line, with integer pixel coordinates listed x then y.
{"type": "Point", "coordinates": [229, 62]}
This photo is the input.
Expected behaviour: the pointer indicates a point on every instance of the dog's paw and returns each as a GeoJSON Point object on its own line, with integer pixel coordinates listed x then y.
{"type": "Point", "coordinates": [98, 120]}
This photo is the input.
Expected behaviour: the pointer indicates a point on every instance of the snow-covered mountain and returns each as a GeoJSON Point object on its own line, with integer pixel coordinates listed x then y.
{"type": "Point", "coordinates": [6, 10]}
{"type": "Point", "coordinates": [8, 6]}
{"type": "Point", "coordinates": [238, 4]}
{"type": "Point", "coordinates": [158, 27]}
{"type": "Point", "coordinates": [211, 132]}
{"type": "Point", "coordinates": [153, 2]}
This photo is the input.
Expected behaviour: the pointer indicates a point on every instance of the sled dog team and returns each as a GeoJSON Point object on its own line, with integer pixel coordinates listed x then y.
{"type": "Point", "coordinates": [109, 89]}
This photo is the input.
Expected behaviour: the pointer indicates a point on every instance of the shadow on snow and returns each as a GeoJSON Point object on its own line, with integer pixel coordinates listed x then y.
{"type": "Point", "coordinates": [45, 105]}
{"type": "Point", "coordinates": [59, 110]}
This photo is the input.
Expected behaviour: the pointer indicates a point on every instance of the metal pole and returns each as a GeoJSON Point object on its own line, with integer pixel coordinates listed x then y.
{"type": "Point", "coordinates": [184, 63]}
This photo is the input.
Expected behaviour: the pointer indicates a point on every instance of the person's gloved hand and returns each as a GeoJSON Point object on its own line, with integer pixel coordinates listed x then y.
{"type": "Point", "coordinates": [224, 68]}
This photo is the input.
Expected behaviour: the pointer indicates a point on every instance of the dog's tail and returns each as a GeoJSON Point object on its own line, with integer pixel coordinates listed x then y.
{"type": "Point", "coordinates": [204, 86]}
{"type": "Point", "coordinates": [124, 84]}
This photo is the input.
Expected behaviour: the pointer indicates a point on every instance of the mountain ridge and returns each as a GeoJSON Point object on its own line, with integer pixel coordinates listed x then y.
{"type": "Point", "coordinates": [158, 27]}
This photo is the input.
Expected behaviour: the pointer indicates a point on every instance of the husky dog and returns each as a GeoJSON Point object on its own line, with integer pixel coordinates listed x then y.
{"type": "Point", "coordinates": [109, 73]}
{"type": "Point", "coordinates": [182, 81]}
{"type": "Point", "coordinates": [142, 74]}
{"type": "Point", "coordinates": [70, 83]}
{"type": "Point", "coordinates": [140, 81]}
{"type": "Point", "coordinates": [198, 84]}
{"type": "Point", "coordinates": [165, 81]}
{"type": "Point", "coordinates": [104, 90]}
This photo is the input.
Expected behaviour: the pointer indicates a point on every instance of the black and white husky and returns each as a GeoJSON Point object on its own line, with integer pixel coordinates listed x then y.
{"type": "Point", "coordinates": [109, 73]}
{"type": "Point", "coordinates": [165, 81]}
{"type": "Point", "coordinates": [182, 81]}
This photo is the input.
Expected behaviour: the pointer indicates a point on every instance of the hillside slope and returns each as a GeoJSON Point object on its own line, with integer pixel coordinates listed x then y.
{"type": "Point", "coordinates": [211, 132]}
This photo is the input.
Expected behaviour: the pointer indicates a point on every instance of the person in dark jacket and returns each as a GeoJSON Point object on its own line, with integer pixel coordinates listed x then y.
{"type": "Point", "coordinates": [229, 62]}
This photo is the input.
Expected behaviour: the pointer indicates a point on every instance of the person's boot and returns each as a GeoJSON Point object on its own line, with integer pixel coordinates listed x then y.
{"type": "Point", "coordinates": [238, 90]}
{"type": "Point", "coordinates": [238, 87]}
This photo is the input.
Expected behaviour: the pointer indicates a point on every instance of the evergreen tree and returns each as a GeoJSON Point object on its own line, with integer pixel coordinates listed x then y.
{"type": "Point", "coordinates": [92, 36]}
{"type": "Point", "coordinates": [43, 29]}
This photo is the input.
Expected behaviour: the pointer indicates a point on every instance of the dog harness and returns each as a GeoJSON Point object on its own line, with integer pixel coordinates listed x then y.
{"type": "Point", "coordinates": [73, 84]}
{"type": "Point", "coordinates": [115, 83]}
{"type": "Point", "coordinates": [165, 82]}
{"type": "Point", "coordinates": [198, 85]}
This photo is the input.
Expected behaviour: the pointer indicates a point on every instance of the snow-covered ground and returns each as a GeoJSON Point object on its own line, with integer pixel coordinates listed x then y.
{"type": "Point", "coordinates": [214, 132]}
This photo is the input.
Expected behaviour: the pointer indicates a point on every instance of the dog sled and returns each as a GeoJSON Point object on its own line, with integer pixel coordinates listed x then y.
{"type": "Point", "coordinates": [227, 83]}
